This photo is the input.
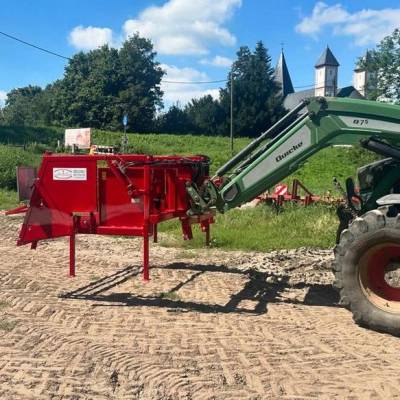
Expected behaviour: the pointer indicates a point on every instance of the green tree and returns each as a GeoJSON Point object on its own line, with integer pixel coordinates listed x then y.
{"type": "Point", "coordinates": [88, 93]}
{"type": "Point", "coordinates": [97, 88]}
{"type": "Point", "coordinates": [26, 106]}
{"type": "Point", "coordinates": [141, 76]}
{"type": "Point", "coordinates": [205, 115]}
{"type": "Point", "coordinates": [257, 101]}
{"type": "Point", "coordinates": [383, 64]}
{"type": "Point", "coordinates": [100, 86]}
{"type": "Point", "coordinates": [175, 120]}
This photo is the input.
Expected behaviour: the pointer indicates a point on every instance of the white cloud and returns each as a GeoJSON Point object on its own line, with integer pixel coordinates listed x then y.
{"type": "Point", "coordinates": [365, 26]}
{"type": "Point", "coordinates": [322, 15]}
{"type": "Point", "coordinates": [177, 27]}
{"type": "Point", "coordinates": [3, 98]}
{"type": "Point", "coordinates": [89, 38]}
{"type": "Point", "coordinates": [185, 27]}
{"type": "Point", "coordinates": [182, 93]}
{"type": "Point", "coordinates": [217, 61]}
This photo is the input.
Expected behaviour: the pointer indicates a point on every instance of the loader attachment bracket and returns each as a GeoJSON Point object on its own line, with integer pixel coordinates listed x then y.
{"type": "Point", "coordinates": [203, 199]}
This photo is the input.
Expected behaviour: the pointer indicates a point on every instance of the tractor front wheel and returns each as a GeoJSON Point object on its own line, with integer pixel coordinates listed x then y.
{"type": "Point", "coordinates": [367, 269]}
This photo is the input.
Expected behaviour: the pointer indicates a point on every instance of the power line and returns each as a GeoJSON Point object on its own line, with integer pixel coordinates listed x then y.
{"type": "Point", "coordinates": [223, 80]}
{"type": "Point", "coordinates": [195, 83]}
{"type": "Point", "coordinates": [69, 59]}
{"type": "Point", "coordinates": [164, 81]}
{"type": "Point", "coordinates": [305, 86]}
{"type": "Point", "coordinates": [34, 46]}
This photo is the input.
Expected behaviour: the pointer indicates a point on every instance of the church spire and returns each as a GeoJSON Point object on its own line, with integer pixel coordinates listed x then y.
{"type": "Point", "coordinates": [282, 76]}
{"type": "Point", "coordinates": [327, 58]}
{"type": "Point", "coordinates": [326, 74]}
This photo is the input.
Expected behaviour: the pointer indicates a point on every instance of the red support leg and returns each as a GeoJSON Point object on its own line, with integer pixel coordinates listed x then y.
{"type": "Point", "coordinates": [208, 242]}
{"type": "Point", "coordinates": [205, 227]}
{"type": "Point", "coordinates": [72, 253]}
{"type": "Point", "coordinates": [146, 274]}
{"type": "Point", "coordinates": [155, 233]}
{"type": "Point", "coordinates": [186, 229]}
{"type": "Point", "coordinates": [146, 223]}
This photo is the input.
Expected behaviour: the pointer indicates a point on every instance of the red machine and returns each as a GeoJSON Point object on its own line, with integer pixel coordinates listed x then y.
{"type": "Point", "coordinates": [282, 194]}
{"type": "Point", "coordinates": [126, 195]}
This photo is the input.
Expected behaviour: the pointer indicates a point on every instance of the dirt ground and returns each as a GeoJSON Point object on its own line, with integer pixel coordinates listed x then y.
{"type": "Point", "coordinates": [209, 325]}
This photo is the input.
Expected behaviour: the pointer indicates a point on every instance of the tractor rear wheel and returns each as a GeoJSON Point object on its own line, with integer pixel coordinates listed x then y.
{"type": "Point", "coordinates": [367, 269]}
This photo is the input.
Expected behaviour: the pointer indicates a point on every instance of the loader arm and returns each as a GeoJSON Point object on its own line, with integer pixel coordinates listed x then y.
{"type": "Point", "coordinates": [325, 122]}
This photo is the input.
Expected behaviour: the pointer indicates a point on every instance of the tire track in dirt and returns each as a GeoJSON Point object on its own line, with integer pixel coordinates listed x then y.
{"type": "Point", "coordinates": [211, 325]}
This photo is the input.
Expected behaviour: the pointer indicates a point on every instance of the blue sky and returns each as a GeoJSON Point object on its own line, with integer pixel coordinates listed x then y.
{"type": "Point", "coordinates": [196, 39]}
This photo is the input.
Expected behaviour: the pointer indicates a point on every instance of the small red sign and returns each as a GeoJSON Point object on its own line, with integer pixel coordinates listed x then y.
{"type": "Point", "coordinates": [281, 189]}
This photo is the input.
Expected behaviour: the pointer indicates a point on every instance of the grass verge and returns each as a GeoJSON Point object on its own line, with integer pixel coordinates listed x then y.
{"type": "Point", "coordinates": [263, 229]}
{"type": "Point", "coordinates": [8, 199]}
{"type": "Point", "coordinates": [10, 158]}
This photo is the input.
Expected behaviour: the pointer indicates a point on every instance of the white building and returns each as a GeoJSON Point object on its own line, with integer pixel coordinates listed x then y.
{"type": "Point", "coordinates": [364, 80]}
{"type": "Point", "coordinates": [325, 83]}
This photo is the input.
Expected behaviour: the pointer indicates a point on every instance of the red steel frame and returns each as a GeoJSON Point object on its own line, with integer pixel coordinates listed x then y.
{"type": "Point", "coordinates": [19, 210]}
{"type": "Point", "coordinates": [127, 195]}
{"type": "Point", "coordinates": [294, 196]}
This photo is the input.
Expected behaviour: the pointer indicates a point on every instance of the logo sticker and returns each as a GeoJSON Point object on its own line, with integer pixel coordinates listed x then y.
{"type": "Point", "coordinates": [289, 149]}
{"type": "Point", "coordinates": [69, 174]}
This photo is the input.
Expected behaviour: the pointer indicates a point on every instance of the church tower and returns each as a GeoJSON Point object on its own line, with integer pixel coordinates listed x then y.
{"type": "Point", "coordinates": [363, 80]}
{"type": "Point", "coordinates": [282, 76]}
{"type": "Point", "coordinates": [326, 74]}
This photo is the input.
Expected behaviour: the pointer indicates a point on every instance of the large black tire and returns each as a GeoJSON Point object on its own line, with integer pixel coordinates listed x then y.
{"type": "Point", "coordinates": [366, 253]}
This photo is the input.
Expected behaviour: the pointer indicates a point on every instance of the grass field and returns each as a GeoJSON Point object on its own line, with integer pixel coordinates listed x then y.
{"type": "Point", "coordinates": [260, 228]}
{"type": "Point", "coordinates": [20, 135]}
{"type": "Point", "coordinates": [8, 199]}
{"type": "Point", "coordinates": [10, 158]}
{"type": "Point", "coordinates": [263, 229]}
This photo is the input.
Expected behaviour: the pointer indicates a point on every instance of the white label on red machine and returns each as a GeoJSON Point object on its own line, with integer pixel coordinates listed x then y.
{"type": "Point", "coordinates": [69, 174]}
{"type": "Point", "coordinates": [281, 190]}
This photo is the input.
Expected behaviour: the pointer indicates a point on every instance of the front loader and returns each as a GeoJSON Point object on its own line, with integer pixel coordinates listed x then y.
{"type": "Point", "coordinates": [367, 254]}
{"type": "Point", "coordinates": [130, 195]}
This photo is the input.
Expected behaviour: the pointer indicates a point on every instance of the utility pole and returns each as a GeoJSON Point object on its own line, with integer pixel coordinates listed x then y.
{"type": "Point", "coordinates": [231, 133]}
{"type": "Point", "coordinates": [125, 138]}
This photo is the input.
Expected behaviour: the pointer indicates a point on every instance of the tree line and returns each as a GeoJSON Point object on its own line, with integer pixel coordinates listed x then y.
{"type": "Point", "coordinates": [383, 62]}
{"type": "Point", "coordinates": [96, 90]}
{"type": "Point", "coordinates": [100, 86]}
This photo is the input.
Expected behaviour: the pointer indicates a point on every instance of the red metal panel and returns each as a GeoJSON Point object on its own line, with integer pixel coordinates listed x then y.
{"type": "Point", "coordinates": [25, 178]}
{"type": "Point", "coordinates": [117, 208]}
{"type": "Point", "coordinates": [66, 192]}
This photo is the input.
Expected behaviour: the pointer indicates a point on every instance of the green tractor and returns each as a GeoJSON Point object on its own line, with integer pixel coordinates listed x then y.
{"type": "Point", "coordinates": [367, 254]}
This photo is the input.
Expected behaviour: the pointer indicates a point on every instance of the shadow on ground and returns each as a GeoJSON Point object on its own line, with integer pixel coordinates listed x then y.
{"type": "Point", "coordinates": [257, 289]}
